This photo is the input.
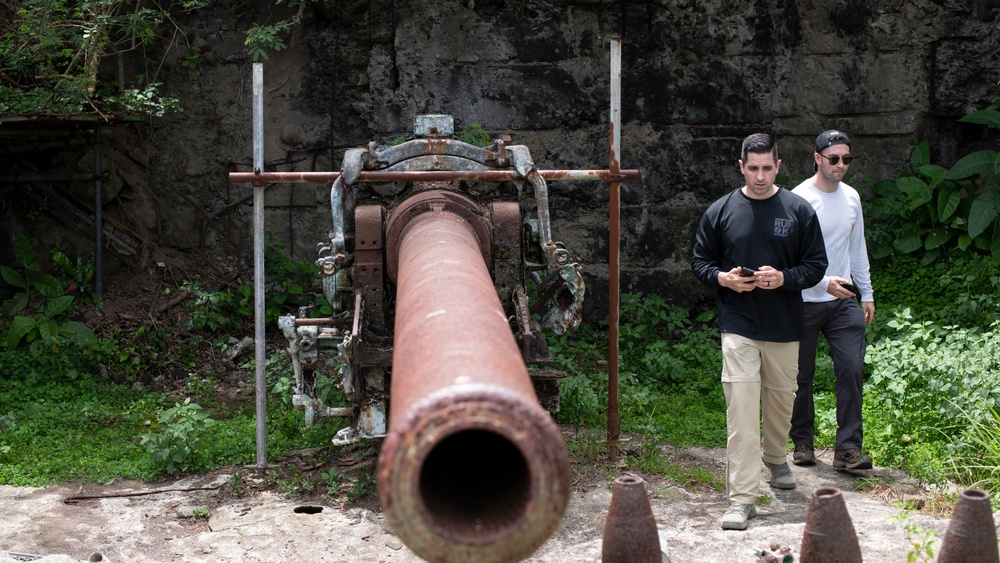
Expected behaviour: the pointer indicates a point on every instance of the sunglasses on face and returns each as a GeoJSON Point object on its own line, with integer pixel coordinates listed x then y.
{"type": "Point", "coordinates": [836, 159]}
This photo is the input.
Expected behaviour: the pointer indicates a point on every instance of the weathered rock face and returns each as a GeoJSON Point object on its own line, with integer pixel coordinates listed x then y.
{"type": "Point", "coordinates": [698, 76]}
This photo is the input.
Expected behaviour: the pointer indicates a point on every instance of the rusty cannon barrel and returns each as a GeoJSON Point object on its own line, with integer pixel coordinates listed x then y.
{"type": "Point", "coordinates": [471, 468]}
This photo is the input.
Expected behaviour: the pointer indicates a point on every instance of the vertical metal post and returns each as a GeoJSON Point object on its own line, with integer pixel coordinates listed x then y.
{"type": "Point", "coordinates": [614, 243]}
{"type": "Point", "coordinates": [258, 263]}
{"type": "Point", "coordinates": [98, 220]}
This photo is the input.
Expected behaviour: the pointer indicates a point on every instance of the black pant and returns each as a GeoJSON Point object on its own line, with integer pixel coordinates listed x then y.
{"type": "Point", "coordinates": [842, 322]}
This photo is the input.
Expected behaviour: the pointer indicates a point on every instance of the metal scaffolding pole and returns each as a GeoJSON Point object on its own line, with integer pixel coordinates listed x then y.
{"type": "Point", "coordinates": [614, 243]}
{"type": "Point", "coordinates": [98, 222]}
{"type": "Point", "coordinates": [258, 264]}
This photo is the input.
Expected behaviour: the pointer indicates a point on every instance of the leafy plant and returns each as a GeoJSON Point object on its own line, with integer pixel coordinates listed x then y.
{"type": "Point", "coordinates": [919, 373]}
{"type": "Point", "coordinates": [144, 100]}
{"type": "Point", "coordinates": [932, 210]}
{"type": "Point", "coordinates": [296, 483]}
{"type": "Point", "coordinates": [138, 351]}
{"type": "Point", "coordinates": [175, 445]}
{"type": "Point", "coordinates": [290, 284]}
{"type": "Point", "coordinates": [40, 305]}
{"type": "Point", "coordinates": [922, 540]}
{"type": "Point", "coordinates": [362, 485]}
{"type": "Point", "coordinates": [333, 480]}
{"type": "Point", "coordinates": [234, 486]}
{"type": "Point", "coordinates": [263, 38]}
{"type": "Point", "coordinates": [213, 310]}
{"type": "Point", "coordinates": [963, 291]}
{"type": "Point", "coordinates": [474, 134]}
{"type": "Point", "coordinates": [202, 513]}
{"type": "Point", "coordinates": [668, 376]}
{"type": "Point", "coordinates": [192, 61]}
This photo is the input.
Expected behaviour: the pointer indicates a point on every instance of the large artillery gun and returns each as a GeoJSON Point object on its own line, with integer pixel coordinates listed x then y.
{"type": "Point", "coordinates": [442, 272]}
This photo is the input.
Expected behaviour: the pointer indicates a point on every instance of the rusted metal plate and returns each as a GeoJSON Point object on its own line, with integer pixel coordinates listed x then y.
{"type": "Point", "coordinates": [369, 262]}
{"type": "Point", "coordinates": [508, 271]}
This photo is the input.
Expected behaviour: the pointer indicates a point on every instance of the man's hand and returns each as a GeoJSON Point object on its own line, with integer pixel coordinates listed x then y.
{"type": "Point", "coordinates": [734, 281]}
{"type": "Point", "coordinates": [869, 308]}
{"type": "Point", "coordinates": [769, 278]}
{"type": "Point", "coordinates": [836, 289]}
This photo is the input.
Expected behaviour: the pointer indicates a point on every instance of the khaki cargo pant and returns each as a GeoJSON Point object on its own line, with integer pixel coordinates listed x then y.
{"type": "Point", "coordinates": [756, 373]}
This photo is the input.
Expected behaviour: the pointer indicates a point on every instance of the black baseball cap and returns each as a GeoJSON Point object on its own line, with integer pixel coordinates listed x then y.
{"type": "Point", "coordinates": [832, 137]}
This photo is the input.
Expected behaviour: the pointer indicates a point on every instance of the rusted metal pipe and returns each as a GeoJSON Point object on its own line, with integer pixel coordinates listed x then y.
{"type": "Point", "coordinates": [428, 176]}
{"type": "Point", "coordinates": [614, 248]}
{"type": "Point", "coordinates": [472, 468]}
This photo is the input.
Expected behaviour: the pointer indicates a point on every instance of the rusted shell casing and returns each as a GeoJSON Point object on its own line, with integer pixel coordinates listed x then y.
{"type": "Point", "coordinates": [472, 468]}
{"type": "Point", "coordinates": [971, 536]}
{"type": "Point", "coordinates": [829, 535]}
{"type": "Point", "coordinates": [630, 534]}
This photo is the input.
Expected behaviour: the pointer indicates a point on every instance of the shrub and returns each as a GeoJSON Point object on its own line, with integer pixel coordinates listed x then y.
{"type": "Point", "coordinates": [919, 374]}
{"type": "Point", "coordinates": [40, 308]}
{"type": "Point", "coordinates": [175, 444]}
{"type": "Point", "coordinates": [932, 212]}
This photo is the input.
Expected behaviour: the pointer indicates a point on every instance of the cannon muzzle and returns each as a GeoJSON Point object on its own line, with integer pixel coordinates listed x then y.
{"type": "Point", "coordinates": [472, 468]}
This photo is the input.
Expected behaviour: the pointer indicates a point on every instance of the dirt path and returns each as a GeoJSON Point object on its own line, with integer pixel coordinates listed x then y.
{"type": "Point", "coordinates": [267, 527]}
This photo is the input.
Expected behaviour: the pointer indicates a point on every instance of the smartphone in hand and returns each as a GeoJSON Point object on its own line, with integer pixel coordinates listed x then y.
{"type": "Point", "coordinates": [747, 272]}
{"type": "Point", "coordinates": [851, 287]}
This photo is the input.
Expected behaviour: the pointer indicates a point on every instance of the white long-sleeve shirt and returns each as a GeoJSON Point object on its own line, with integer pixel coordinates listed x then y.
{"type": "Point", "coordinates": [843, 227]}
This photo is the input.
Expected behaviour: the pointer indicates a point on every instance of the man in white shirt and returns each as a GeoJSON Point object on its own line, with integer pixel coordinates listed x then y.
{"type": "Point", "coordinates": [832, 306]}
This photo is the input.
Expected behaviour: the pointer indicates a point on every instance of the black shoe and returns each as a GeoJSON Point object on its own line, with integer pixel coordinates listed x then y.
{"type": "Point", "coordinates": [851, 459]}
{"type": "Point", "coordinates": [804, 455]}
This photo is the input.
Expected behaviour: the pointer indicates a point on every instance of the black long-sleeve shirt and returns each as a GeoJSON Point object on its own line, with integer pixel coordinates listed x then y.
{"type": "Point", "coordinates": [781, 231]}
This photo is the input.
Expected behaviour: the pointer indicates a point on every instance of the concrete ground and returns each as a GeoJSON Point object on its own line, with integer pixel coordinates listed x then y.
{"type": "Point", "coordinates": [157, 528]}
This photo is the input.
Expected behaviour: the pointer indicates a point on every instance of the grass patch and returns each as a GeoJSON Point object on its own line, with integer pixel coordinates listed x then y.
{"type": "Point", "coordinates": [87, 429]}
{"type": "Point", "coordinates": [92, 435]}
{"type": "Point", "coordinates": [681, 471]}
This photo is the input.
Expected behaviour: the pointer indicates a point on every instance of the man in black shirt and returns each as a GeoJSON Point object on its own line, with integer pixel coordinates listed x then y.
{"type": "Point", "coordinates": [760, 246]}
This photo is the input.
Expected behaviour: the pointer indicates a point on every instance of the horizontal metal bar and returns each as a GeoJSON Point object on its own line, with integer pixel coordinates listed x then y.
{"type": "Point", "coordinates": [258, 178]}
{"type": "Point", "coordinates": [46, 178]}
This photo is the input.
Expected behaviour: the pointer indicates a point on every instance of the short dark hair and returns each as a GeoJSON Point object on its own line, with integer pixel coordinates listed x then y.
{"type": "Point", "coordinates": [759, 143]}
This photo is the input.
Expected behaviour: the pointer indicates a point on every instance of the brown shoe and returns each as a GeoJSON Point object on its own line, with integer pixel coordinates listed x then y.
{"type": "Point", "coordinates": [804, 455]}
{"type": "Point", "coordinates": [851, 459]}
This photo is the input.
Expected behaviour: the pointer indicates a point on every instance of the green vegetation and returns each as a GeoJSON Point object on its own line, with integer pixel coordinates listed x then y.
{"type": "Point", "coordinates": [932, 385]}
{"type": "Point", "coordinates": [41, 305]}
{"type": "Point", "coordinates": [474, 134]}
{"type": "Point", "coordinates": [58, 56]}
{"type": "Point", "coordinates": [69, 408]}
{"type": "Point", "coordinates": [932, 209]}
{"type": "Point", "coordinates": [175, 442]}
{"type": "Point", "coordinates": [52, 53]}
{"type": "Point", "coordinates": [922, 541]}
{"type": "Point", "coordinates": [264, 38]}
{"type": "Point", "coordinates": [288, 284]}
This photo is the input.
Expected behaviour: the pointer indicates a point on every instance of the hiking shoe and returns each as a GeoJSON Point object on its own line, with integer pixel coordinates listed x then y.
{"type": "Point", "coordinates": [851, 459]}
{"type": "Point", "coordinates": [781, 476]}
{"type": "Point", "coordinates": [736, 517]}
{"type": "Point", "coordinates": [804, 455]}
